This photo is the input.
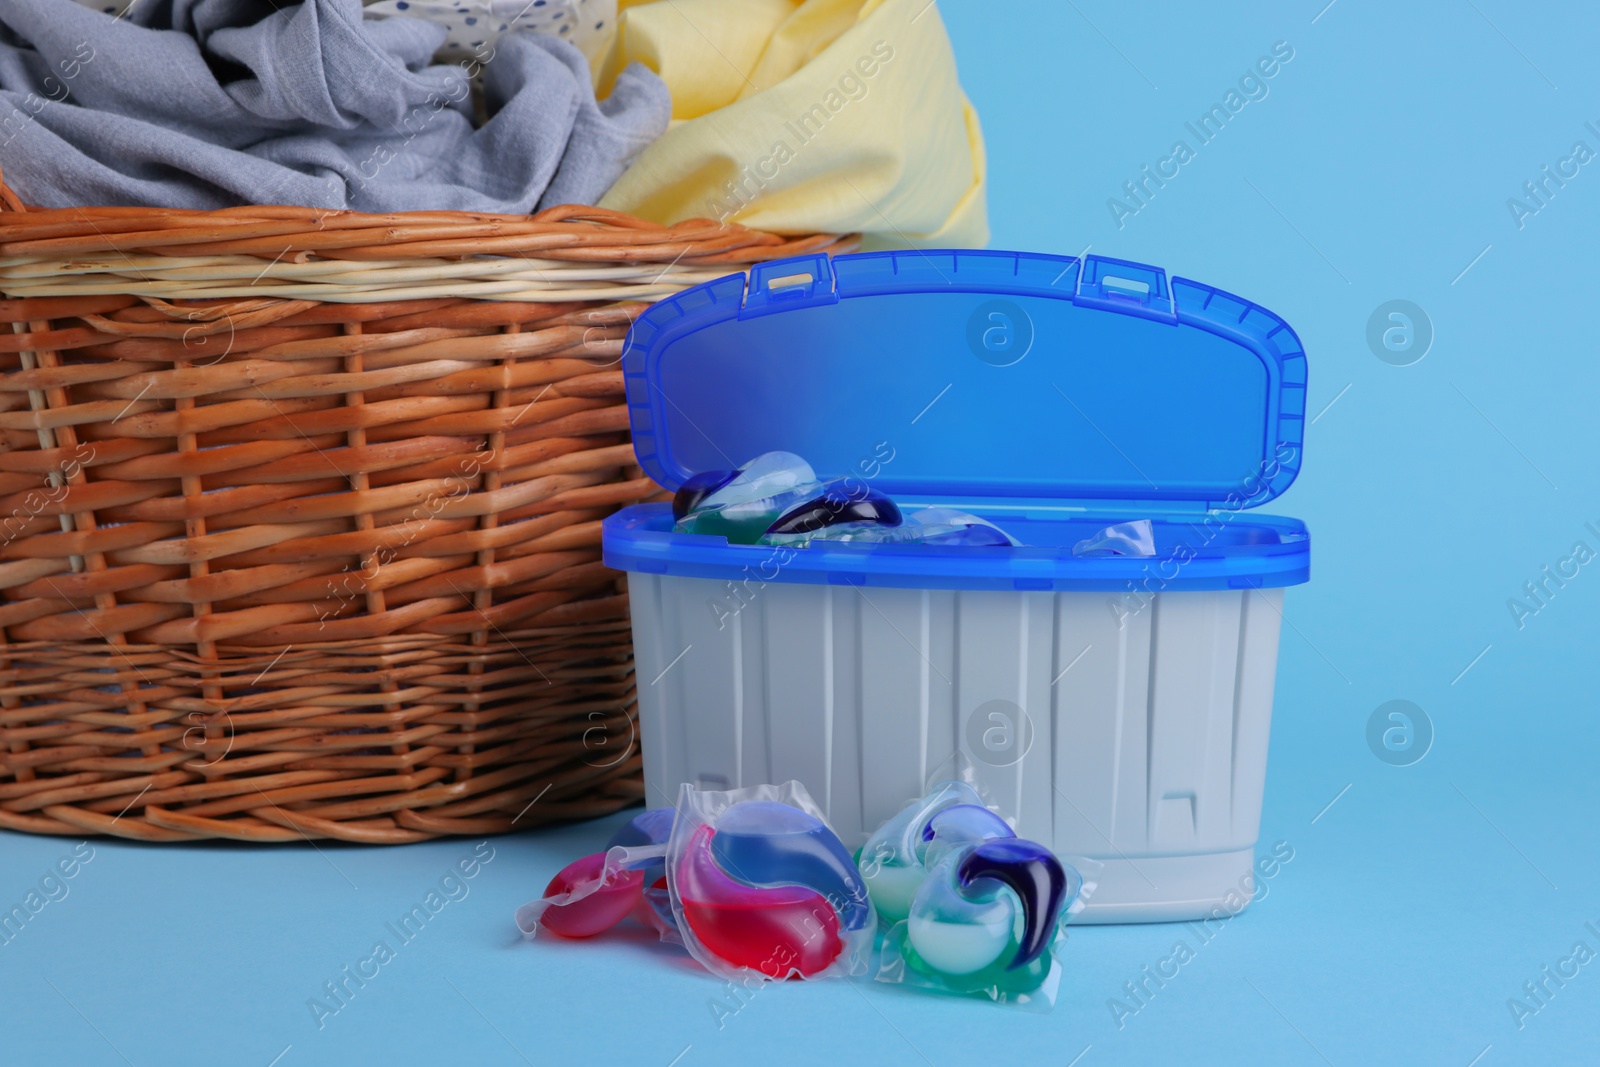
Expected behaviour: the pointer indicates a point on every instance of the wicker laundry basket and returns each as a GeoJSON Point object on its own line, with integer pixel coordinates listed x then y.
{"type": "Point", "coordinates": [300, 516]}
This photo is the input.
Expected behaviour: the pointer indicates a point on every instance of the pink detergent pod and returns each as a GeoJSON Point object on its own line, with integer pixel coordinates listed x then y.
{"type": "Point", "coordinates": [586, 898]}
{"type": "Point", "coordinates": [593, 894]}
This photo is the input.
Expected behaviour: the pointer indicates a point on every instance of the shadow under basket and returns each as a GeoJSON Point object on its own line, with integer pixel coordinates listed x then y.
{"type": "Point", "coordinates": [300, 516]}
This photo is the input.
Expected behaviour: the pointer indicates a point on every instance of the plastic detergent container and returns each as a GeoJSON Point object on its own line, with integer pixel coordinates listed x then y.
{"type": "Point", "coordinates": [1115, 707]}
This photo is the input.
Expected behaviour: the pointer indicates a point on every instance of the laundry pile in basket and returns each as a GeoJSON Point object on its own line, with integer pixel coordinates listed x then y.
{"type": "Point", "coordinates": [688, 109]}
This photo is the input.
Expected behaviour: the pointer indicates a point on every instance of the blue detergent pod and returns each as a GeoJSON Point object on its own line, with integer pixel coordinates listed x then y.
{"type": "Point", "coordinates": [895, 858]}
{"type": "Point", "coordinates": [959, 825]}
{"type": "Point", "coordinates": [646, 830]}
{"type": "Point", "coordinates": [770, 474]}
{"type": "Point", "coordinates": [763, 842]}
{"type": "Point", "coordinates": [816, 516]}
{"type": "Point", "coordinates": [970, 907]}
{"type": "Point", "coordinates": [988, 908]}
{"type": "Point", "coordinates": [742, 505]}
{"type": "Point", "coordinates": [1040, 882]}
{"type": "Point", "coordinates": [651, 827]}
{"type": "Point", "coordinates": [861, 533]}
{"type": "Point", "coordinates": [693, 492]}
{"type": "Point", "coordinates": [775, 499]}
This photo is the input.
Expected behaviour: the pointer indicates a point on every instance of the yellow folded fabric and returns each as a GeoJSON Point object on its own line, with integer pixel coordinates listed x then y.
{"type": "Point", "coordinates": [793, 117]}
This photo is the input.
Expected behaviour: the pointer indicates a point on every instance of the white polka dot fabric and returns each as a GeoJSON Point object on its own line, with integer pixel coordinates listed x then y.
{"type": "Point", "coordinates": [474, 24]}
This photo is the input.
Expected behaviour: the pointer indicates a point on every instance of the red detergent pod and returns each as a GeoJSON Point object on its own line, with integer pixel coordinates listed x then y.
{"type": "Point", "coordinates": [585, 899]}
{"type": "Point", "coordinates": [608, 904]}
{"type": "Point", "coordinates": [773, 930]}
{"type": "Point", "coordinates": [762, 888]}
{"type": "Point", "coordinates": [757, 886]}
{"type": "Point", "coordinates": [595, 893]}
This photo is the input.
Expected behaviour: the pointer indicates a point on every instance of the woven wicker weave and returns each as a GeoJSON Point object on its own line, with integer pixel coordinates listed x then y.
{"type": "Point", "coordinates": [299, 516]}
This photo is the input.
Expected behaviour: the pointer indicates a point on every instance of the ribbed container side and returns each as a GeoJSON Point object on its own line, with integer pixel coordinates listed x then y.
{"type": "Point", "coordinates": [1135, 737]}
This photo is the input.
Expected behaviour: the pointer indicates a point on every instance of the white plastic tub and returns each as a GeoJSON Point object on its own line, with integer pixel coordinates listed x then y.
{"type": "Point", "coordinates": [1116, 708]}
{"type": "Point", "coordinates": [1144, 746]}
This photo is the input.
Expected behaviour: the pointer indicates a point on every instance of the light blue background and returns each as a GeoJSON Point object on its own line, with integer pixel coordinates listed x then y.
{"type": "Point", "coordinates": [1377, 168]}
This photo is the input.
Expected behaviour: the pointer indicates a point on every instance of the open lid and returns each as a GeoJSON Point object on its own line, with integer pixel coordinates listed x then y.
{"type": "Point", "coordinates": [999, 380]}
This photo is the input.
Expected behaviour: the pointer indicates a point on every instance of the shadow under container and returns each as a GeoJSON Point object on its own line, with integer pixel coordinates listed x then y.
{"type": "Point", "coordinates": [1115, 707]}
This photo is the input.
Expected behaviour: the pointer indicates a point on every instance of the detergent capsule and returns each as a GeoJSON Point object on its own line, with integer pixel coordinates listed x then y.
{"type": "Point", "coordinates": [947, 526]}
{"type": "Point", "coordinates": [596, 892]}
{"type": "Point", "coordinates": [1135, 538]}
{"type": "Point", "coordinates": [969, 907]}
{"type": "Point", "coordinates": [740, 505]}
{"type": "Point", "coordinates": [895, 858]}
{"type": "Point", "coordinates": [762, 887]}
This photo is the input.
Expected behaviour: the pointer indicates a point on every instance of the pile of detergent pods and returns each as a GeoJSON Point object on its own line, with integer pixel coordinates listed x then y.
{"type": "Point", "coordinates": [777, 499]}
{"type": "Point", "coordinates": [756, 886]}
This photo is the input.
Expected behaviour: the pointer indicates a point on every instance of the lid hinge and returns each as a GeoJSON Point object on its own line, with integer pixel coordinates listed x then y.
{"type": "Point", "coordinates": [1128, 288]}
{"type": "Point", "coordinates": [786, 284]}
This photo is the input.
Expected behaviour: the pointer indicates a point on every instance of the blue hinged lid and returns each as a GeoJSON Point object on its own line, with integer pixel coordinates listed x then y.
{"type": "Point", "coordinates": [995, 381]}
